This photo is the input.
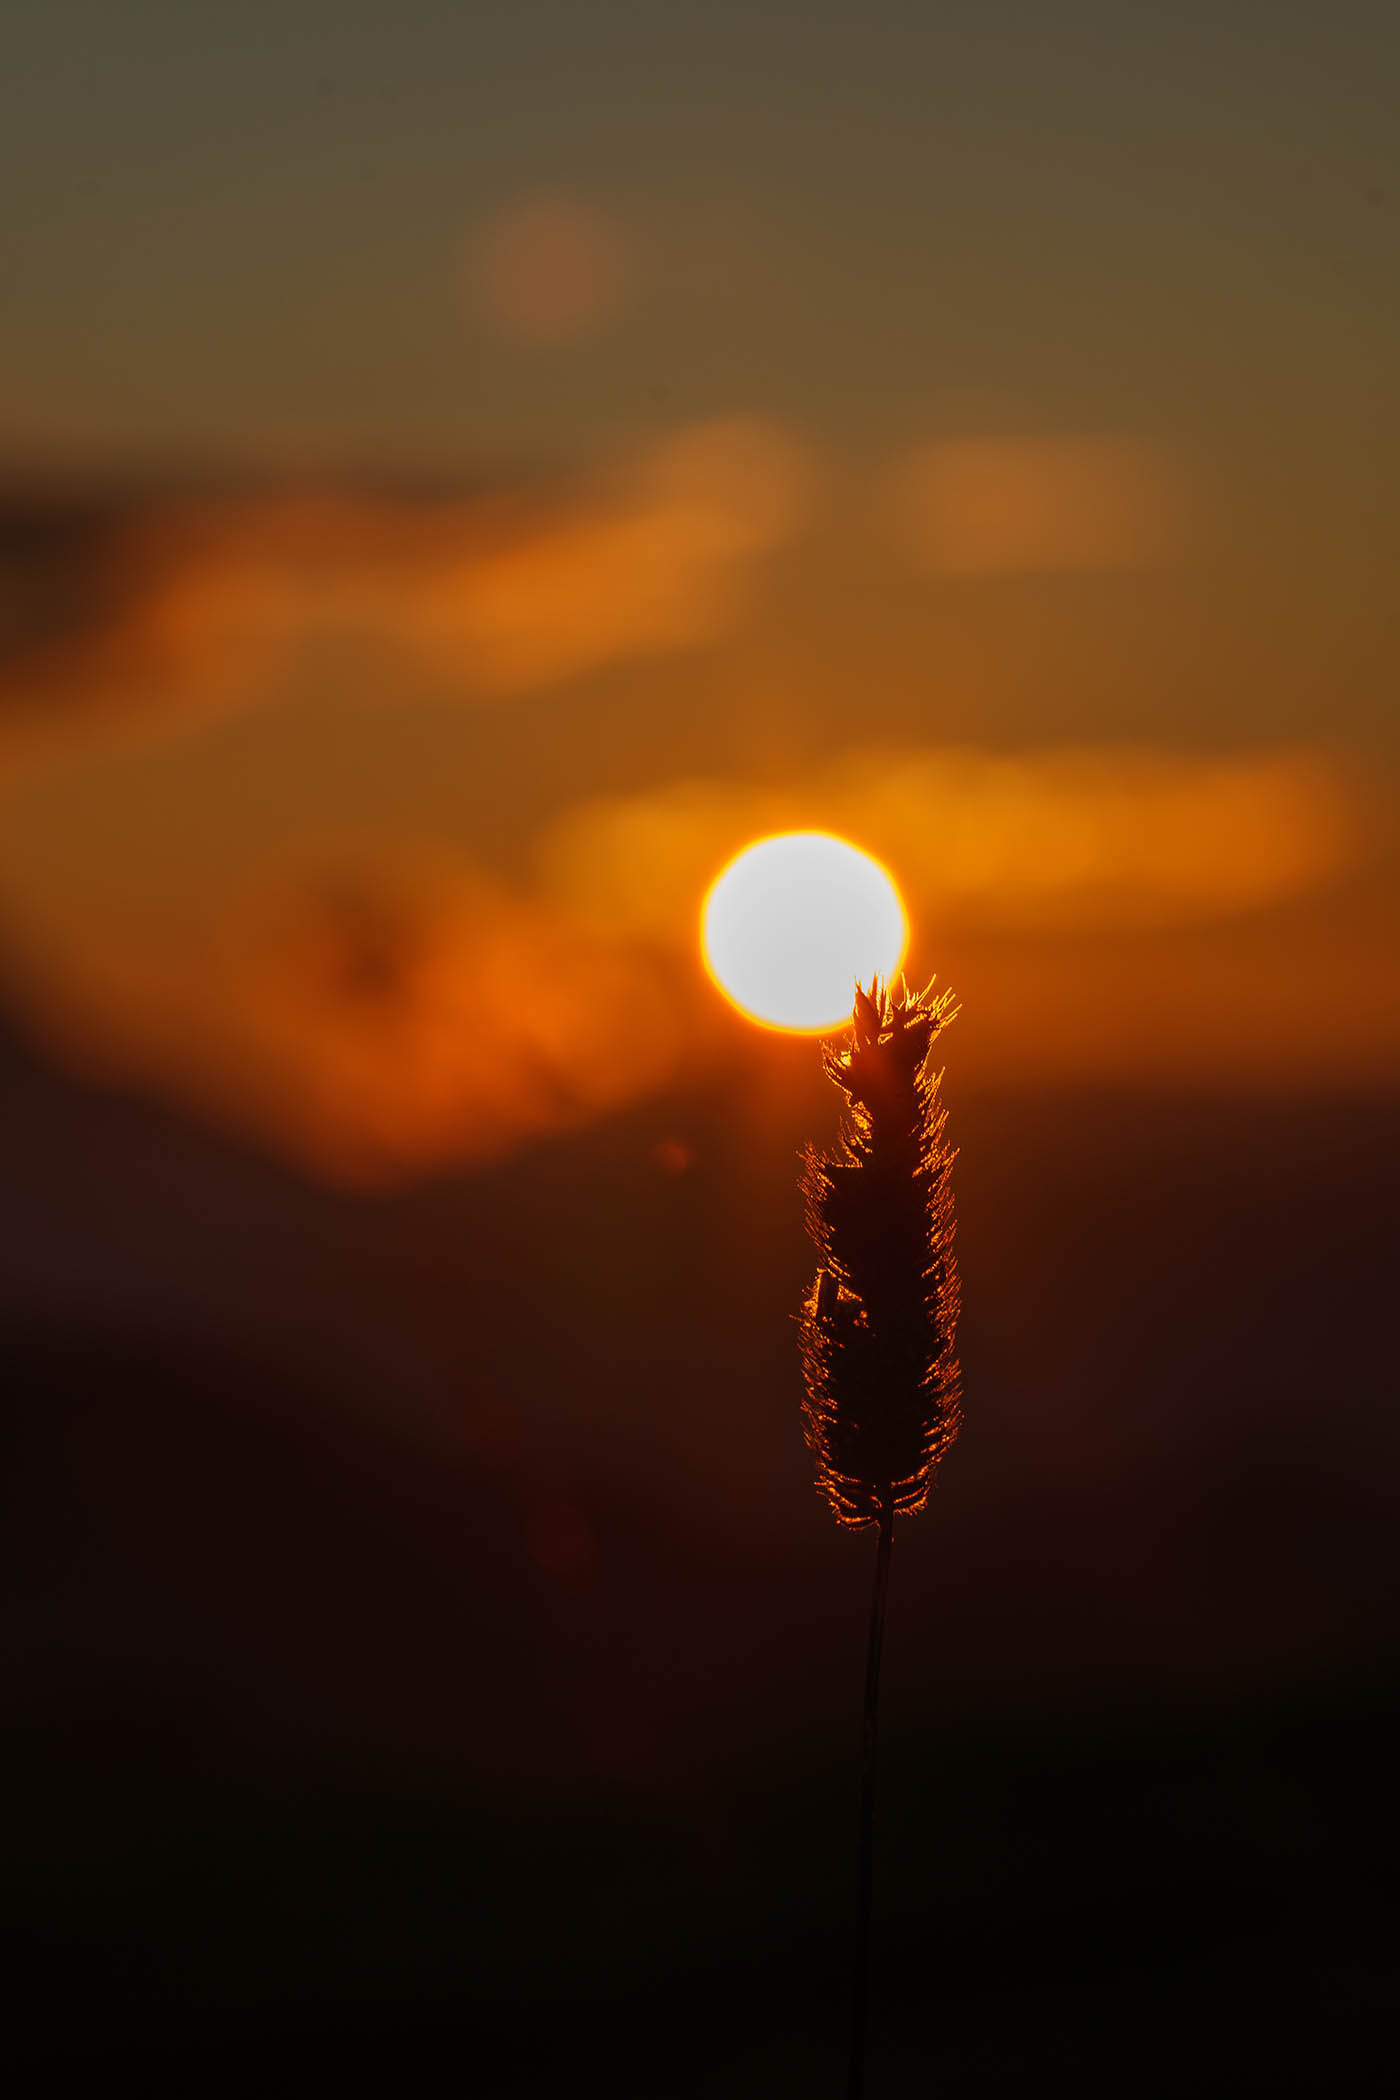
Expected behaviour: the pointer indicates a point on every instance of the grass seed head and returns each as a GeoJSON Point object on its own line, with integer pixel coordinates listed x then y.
{"type": "Point", "coordinates": [878, 1325]}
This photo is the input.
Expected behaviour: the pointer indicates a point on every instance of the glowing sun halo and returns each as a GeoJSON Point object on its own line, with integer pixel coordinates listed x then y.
{"type": "Point", "coordinates": [793, 921]}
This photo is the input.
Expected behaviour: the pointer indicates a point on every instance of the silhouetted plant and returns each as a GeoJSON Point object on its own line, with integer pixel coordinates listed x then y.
{"type": "Point", "coordinates": [878, 1325]}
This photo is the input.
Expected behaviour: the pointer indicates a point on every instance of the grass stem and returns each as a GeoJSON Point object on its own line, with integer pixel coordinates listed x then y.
{"type": "Point", "coordinates": [865, 1855]}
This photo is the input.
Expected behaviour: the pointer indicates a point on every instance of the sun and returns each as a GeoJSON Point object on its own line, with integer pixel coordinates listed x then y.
{"type": "Point", "coordinates": [793, 922]}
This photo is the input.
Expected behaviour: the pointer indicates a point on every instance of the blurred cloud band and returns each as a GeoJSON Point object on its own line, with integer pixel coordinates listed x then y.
{"type": "Point", "coordinates": [1059, 839]}
{"type": "Point", "coordinates": [146, 611]}
{"type": "Point", "coordinates": [376, 1012]}
{"type": "Point", "coordinates": [989, 506]}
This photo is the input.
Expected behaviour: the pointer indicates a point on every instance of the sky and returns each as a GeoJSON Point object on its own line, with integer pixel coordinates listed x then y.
{"type": "Point", "coordinates": [468, 471]}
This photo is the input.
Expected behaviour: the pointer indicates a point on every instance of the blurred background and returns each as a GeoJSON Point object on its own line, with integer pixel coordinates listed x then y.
{"type": "Point", "coordinates": [463, 473]}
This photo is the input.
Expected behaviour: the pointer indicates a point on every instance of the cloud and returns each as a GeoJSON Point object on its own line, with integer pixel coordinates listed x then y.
{"type": "Point", "coordinates": [137, 613]}
{"type": "Point", "coordinates": [1107, 837]}
{"type": "Point", "coordinates": [402, 1017]}
{"type": "Point", "coordinates": [653, 559]}
{"type": "Point", "coordinates": [374, 1013]}
{"type": "Point", "coordinates": [1056, 840]}
{"type": "Point", "coordinates": [1018, 506]}
{"type": "Point", "coordinates": [371, 1019]}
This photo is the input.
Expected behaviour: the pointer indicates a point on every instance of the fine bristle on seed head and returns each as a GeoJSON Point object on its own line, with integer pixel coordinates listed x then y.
{"type": "Point", "coordinates": [878, 1325]}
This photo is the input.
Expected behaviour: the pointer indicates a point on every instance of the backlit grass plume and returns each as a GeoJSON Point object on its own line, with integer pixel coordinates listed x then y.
{"type": "Point", "coordinates": [878, 1326]}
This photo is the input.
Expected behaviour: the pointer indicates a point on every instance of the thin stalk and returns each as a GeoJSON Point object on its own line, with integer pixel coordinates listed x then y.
{"type": "Point", "coordinates": [865, 1857]}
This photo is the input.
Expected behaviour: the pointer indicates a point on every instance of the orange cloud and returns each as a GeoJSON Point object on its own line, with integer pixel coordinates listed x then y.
{"type": "Point", "coordinates": [651, 559]}
{"type": "Point", "coordinates": [374, 1014]}
{"type": "Point", "coordinates": [369, 1019]}
{"type": "Point", "coordinates": [400, 1018]}
{"type": "Point", "coordinates": [1110, 837]}
{"type": "Point", "coordinates": [197, 604]}
{"type": "Point", "coordinates": [1057, 839]}
{"type": "Point", "coordinates": [988, 506]}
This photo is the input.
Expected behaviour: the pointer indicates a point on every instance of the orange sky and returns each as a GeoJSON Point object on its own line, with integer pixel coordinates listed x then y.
{"type": "Point", "coordinates": [326, 777]}
{"type": "Point", "coordinates": [424, 566]}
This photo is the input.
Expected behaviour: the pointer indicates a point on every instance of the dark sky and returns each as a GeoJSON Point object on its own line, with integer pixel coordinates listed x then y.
{"type": "Point", "coordinates": [227, 230]}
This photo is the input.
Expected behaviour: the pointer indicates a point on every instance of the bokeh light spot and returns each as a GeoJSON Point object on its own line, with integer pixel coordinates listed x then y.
{"type": "Point", "coordinates": [550, 269]}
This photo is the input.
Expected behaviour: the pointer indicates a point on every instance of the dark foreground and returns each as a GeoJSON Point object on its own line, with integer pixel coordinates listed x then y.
{"type": "Point", "coordinates": [427, 1662]}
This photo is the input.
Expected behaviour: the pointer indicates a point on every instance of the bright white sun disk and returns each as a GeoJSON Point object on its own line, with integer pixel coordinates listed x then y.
{"type": "Point", "coordinates": [794, 921]}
